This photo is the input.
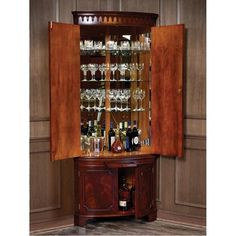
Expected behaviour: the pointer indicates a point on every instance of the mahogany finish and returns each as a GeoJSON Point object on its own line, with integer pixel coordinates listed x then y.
{"type": "Point", "coordinates": [97, 178]}
{"type": "Point", "coordinates": [114, 18]}
{"type": "Point", "coordinates": [64, 90]}
{"type": "Point", "coordinates": [96, 187]}
{"type": "Point", "coordinates": [167, 90]}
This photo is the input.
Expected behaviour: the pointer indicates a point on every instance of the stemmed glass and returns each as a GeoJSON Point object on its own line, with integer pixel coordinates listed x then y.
{"type": "Point", "coordinates": [93, 68]}
{"type": "Point", "coordinates": [102, 67]}
{"type": "Point", "coordinates": [122, 68]}
{"type": "Point", "coordinates": [113, 68]}
{"type": "Point", "coordinates": [122, 98]}
{"type": "Point", "coordinates": [127, 95]}
{"type": "Point", "coordinates": [110, 96]}
{"type": "Point", "coordinates": [133, 68]}
{"type": "Point", "coordinates": [99, 95]}
{"type": "Point", "coordinates": [135, 94]}
{"type": "Point", "coordinates": [141, 93]}
{"type": "Point", "coordinates": [140, 67]}
{"type": "Point", "coordinates": [116, 93]}
{"type": "Point", "coordinates": [82, 97]}
{"type": "Point", "coordinates": [84, 68]}
{"type": "Point", "coordinates": [88, 95]}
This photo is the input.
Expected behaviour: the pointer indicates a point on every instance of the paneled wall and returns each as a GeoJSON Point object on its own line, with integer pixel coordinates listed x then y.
{"type": "Point", "coordinates": [181, 190]}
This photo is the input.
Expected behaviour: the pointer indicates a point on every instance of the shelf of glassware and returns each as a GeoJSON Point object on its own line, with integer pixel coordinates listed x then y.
{"type": "Point", "coordinates": [94, 100]}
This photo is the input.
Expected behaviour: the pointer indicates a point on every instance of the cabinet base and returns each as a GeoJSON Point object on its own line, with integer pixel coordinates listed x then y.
{"type": "Point", "coordinates": [82, 220]}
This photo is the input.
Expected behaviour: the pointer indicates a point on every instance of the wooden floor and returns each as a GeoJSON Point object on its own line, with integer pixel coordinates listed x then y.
{"type": "Point", "coordinates": [127, 226]}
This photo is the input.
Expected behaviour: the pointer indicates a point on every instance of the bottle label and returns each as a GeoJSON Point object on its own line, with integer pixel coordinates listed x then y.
{"type": "Point", "coordinates": [112, 139]}
{"type": "Point", "coordinates": [136, 140]}
{"type": "Point", "coordinates": [123, 203]}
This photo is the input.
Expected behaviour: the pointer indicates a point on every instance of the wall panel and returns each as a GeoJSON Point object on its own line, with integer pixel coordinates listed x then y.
{"type": "Point", "coordinates": [190, 176]}
{"type": "Point", "coordinates": [65, 9]}
{"type": "Point", "coordinates": [193, 15]}
{"type": "Point", "coordinates": [40, 13]}
{"type": "Point", "coordinates": [151, 6]}
{"type": "Point", "coordinates": [44, 183]}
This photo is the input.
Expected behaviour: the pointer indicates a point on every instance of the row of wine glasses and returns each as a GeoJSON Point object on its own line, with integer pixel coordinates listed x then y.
{"type": "Point", "coordinates": [95, 96]}
{"type": "Point", "coordinates": [115, 96]}
{"type": "Point", "coordinates": [119, 95]}
{"type": "Point", "coordinates": [132, 68]}
{"type": "Point", "coordinates": [113, 45]}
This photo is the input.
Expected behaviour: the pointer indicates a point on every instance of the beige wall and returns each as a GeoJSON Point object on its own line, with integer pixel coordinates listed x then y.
{"type": "Point", "coordinates": [181, 190]}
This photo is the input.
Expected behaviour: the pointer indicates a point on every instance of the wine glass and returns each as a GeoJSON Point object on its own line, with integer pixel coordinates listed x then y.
{"type": "Point", "coordinates": [82, 97]}
{"type": "Point", "coordinates": [122, 68]}
{"type": "Point", "coordinates": [93, 68]}
{"type": "Point", "coordinates": [122, 98]}
{"type": "Point", "coordinates": [140, 68]}
{"type": "Point", "coordinates": [110, 96]}
{"type": "Point", "coordinates": [141, 93]}
{"type": "Point", "coordinates": [116, 93]}
{"type": "Point", "coordinates": [133, 69]}
{"type": "Point", "coordinates": [88, 95]}
{"type": "Point", "coordinates": [84, 68]}
{"type": "Point", "coordinates": [127, 96]}
{"type": "Point", "coordinates": [113, 68]}
{"type": "Point", "coordinates": [102, 67]}
{"type": "Point", "coordinates": [135, 94]}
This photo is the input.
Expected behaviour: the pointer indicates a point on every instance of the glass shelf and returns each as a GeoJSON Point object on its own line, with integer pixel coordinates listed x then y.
{"type": "Point", "coordinates": [103, 52]}
{"type": "Point", "coordinates": [103, 110]}
{"type": "Point", "coordinates": [114, 81]}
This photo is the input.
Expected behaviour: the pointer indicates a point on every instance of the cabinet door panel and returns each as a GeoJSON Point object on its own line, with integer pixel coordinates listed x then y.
{"type": "Point", "coordinates": [99, 192]}
{"type": "Point", "coordinates": [167, 81]}
{"type": "Point", "coordinates": [144, 199]}
{"type": "Point", "coordinates": [64, 49]}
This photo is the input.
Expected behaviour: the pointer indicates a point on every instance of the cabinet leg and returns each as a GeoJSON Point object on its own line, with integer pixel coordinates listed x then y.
{"type": "Point", "coordinates": [80, 220]}
{"type": "Point", "coordinates": [152, 216]}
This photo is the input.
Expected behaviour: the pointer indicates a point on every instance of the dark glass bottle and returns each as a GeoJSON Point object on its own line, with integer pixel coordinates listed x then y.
{"type": "Point", "coordinates": [117, 146]}
{"type": "Point", "coordinates": [135, 137]}
{"type": "Point", "coordinates": [103, 130]}
{"type": "Point", "coordinates": [129, 138]}
{"type": "Point", "coordinates": [124, 196]}
{"type": "Point", "coordinates": [111, 137]}
{"type": "Point", "coordinates": [91, 130]}
{"type": "Point", "coordinates": [84, 128]}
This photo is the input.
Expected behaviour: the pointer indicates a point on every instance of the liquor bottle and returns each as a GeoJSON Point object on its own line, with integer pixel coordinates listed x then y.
{"type": "Point", "coordinates": [135, 137]}
{"type": "Point", "coordinates": [124, 196]}
{"type": "Point", "coordinates": [129, 138]}
{"type": "Point", "coordinates": [103, 130]}
{"type": "Point", "coordinates": [125, 127]}
{"type": "Point", "coordinates": [91, 131]}
{"type": "Point", "coordinates": [84, 128]}
{"type": "Point", "coordinates": [95, 126]}
{"type": "Point", "coordinates": [117, 146]}
{"type": "Point", "coordinates": [99, 131]}
{"type": "Point", "coordinates": [111, 137]}
{"type": "Point", "coordinates": [122, 133]}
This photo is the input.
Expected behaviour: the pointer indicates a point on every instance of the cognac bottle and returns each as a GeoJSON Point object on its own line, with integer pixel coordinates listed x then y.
{"type": "Point", "coordinates": [117, 146]}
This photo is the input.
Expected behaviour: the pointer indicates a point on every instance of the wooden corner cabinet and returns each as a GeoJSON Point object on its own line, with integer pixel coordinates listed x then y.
{"type": "Point", "coordinates": [116, 88]}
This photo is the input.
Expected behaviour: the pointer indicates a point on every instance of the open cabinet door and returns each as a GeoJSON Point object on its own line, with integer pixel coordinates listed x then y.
{"type": "Point", "coordinates": [167, 93]}
{"type": "Point", "coordinates": [64, 54]}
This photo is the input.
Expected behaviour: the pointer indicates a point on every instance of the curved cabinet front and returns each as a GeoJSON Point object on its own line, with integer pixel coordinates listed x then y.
{"type": "Point", "coordinates": [97, 187]}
